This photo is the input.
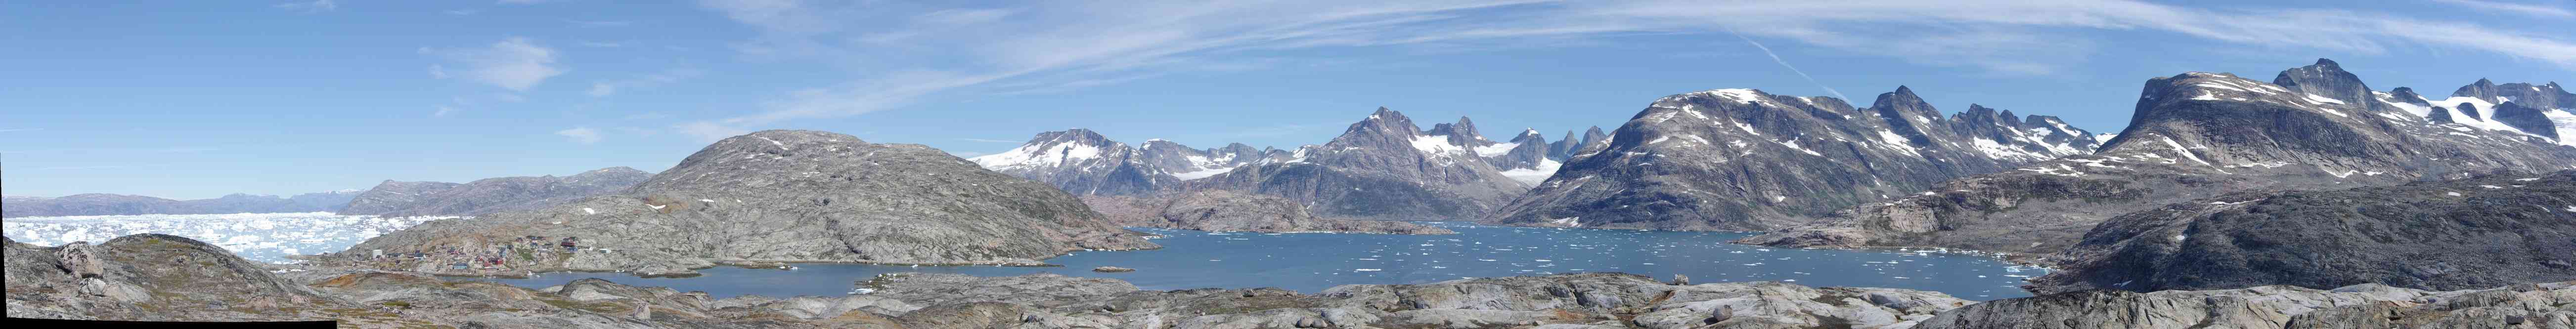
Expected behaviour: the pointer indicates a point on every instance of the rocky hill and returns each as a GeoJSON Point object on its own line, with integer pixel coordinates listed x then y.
{"type": "Point", "coordinates": [1742, 159]}
{"type": "Point", "coordinates": [120, 204]}
{"type": "Point", "coordinates": [785, 195]}
{"type": "Point", "coordinates": [150, 277]}
{"type": "Point", "coordinates": [2194, 135]}
{"type": "Point", "coordinates": [1083, 162]}
{"type": "Point", "coordinates": [1383, 168]}
{"type": "Point", "coordinates": [1221, 210]}
{"type": "Point", "coordinates": [392, 198]}
{"type": "Point", "coordinates": [2447, 235]}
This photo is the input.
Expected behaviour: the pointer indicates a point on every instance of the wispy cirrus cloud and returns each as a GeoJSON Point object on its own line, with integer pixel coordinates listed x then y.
{"type": "Point", "coordinates": [903, 51]}
{"type": "Point", "coordinates": [84, 167]}
{"type": "Point", "coordinates": [2533, 9]}
{"type": "Point", "coordinates": [588, 23]}
{"type": "Point", "coordinates": [515, 63]}
{"type": "Point", "coordinates": [178, 149]}
{"type": "Point", "coordinates": [611, 87]}
{"type": "Point", "coordinates": [1775, 58]}
{"type": "Point", "coordinates": [314, 6]}
{"type": "Point", "coordinates": [584, 135]}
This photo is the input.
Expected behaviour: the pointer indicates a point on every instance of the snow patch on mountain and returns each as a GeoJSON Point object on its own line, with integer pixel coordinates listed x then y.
{"type": "Point", "coordinates": [1038, 155]}
{"type": "Point", "coordinates": [1533, 176]}
{"type": "Point", "coordinates": [1203, 173]}
{"type": "Point", "coordinates": [1436, 145]}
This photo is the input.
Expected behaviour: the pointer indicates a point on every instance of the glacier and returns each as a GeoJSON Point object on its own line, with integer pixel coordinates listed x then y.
{"type": "Point", "coordinates": [259, 237]}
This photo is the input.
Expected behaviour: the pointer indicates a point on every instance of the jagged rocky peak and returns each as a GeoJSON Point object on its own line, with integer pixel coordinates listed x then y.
{"type": "Point", "coordinates": [2325, 78]}
{"type": "Point", "coordinates": [1082, 161]}
{"type": "Point", "coordinates": [1524, 159]}
{"type": "Point", "coordinates": [2408, 95]}
{"type": "Point", "coordinates": [2540, 112]}
{"type": "Point", "coordinates": [1462, 133]}
{"type": "Point", "coordinates": [2032, 137]}
{"type": "Point", "coordinates": [1744, 159]}
{"type": "Point", "coordinates": [1382, 167]}
{"type": "Point", "coordinates": [1169, 156]}
{"type": "Point", "coordinates": [1980, 114]}
{"type": "Point", "coordinates": [1564, 148]}
{"type": "Point", "coordinates": [1531, 136]}
{"type": "Point", "coordinates": [797, 195]}
{"type": "Point", "coordinates": [1593, 135]}
{"type": "Point", "coordinates": [2482, 90]}
{"type": "Point", "coordinates": [1086, 163]}
{"type": "Point", "coordinates": [1053, 148]}
{"type": "Point", "coordinates": [1383, 122]}
{"type": "Point", "coordinates": [1906, 114]}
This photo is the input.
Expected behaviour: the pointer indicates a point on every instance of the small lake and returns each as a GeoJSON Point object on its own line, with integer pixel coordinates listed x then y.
{"type": "Point", "coordinates": [1311, 262]}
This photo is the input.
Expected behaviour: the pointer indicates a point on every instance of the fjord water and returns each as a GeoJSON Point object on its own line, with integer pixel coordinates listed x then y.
{"type": "Point", "coordinates": [1311, 262]}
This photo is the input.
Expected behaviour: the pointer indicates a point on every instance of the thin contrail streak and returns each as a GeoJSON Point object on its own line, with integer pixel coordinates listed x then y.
{"type": "Point", "coordinates": [1792, 68]}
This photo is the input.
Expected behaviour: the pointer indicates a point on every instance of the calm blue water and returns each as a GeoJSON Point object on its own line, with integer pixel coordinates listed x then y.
{"type": "Point", "coordinates": [1311, 262]}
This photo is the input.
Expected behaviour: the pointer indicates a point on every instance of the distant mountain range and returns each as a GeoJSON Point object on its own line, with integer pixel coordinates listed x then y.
{"type": "Point", "coordinates": [1743, 159]}
{"type": "Point", "coordinates": [390, 198]}
{"type": "Point", "coordinates": [2198, 135]}
{"type": "Point", "coordinates": [120, 204]}
{"type": "Point", "coordinates": [1084, 162]}
{"type": "Point", "coordinates": [489, 195]}
{"type": "Point", "coordinates": [1384, 167]}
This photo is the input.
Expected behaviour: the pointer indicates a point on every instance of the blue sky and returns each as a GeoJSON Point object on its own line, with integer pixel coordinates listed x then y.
{"type": "Point", "coordinates": [198, 99]}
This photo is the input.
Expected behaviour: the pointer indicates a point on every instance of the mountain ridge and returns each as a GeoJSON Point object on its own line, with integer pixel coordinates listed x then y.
{"type": "Point", "coordinates": [2193, 135]}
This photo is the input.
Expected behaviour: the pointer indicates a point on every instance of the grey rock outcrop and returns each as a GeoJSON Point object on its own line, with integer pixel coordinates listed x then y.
{"type": "Point", "coordinates": [1221, 210]}
{"type": "Point", "coordinates": [1741, 159]}
{"type": "Point", "coordinates": [1527, 151]}
{"type": "Point", "coordinates": [790, 196]}
{"type": "Point", "coordinates": [2549, 305]}
{"type": "Point", "coordinates": [2448, 235]}
{"type": "Point", "coordinates": [2194, 135]}
{"type": "Point", "coordinates": [1382, 168]}
{"type": "Point", "coordinates": [2325, 78]}
{"type": "Point", "coordinates": [150, 277]}
{"type": "Point", "coordinates": [119, 204]}
{"type": "Point", "coordinates": [1564, 149]}
{"type": "Point", "coordinates": [1556, 301]}
{"type": "Point", "coordinates": [2544, 111]}
{"type": "Point", "coordinates": [490, 195]}
{"type": "Point", "coordinates": [2548, 95]}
